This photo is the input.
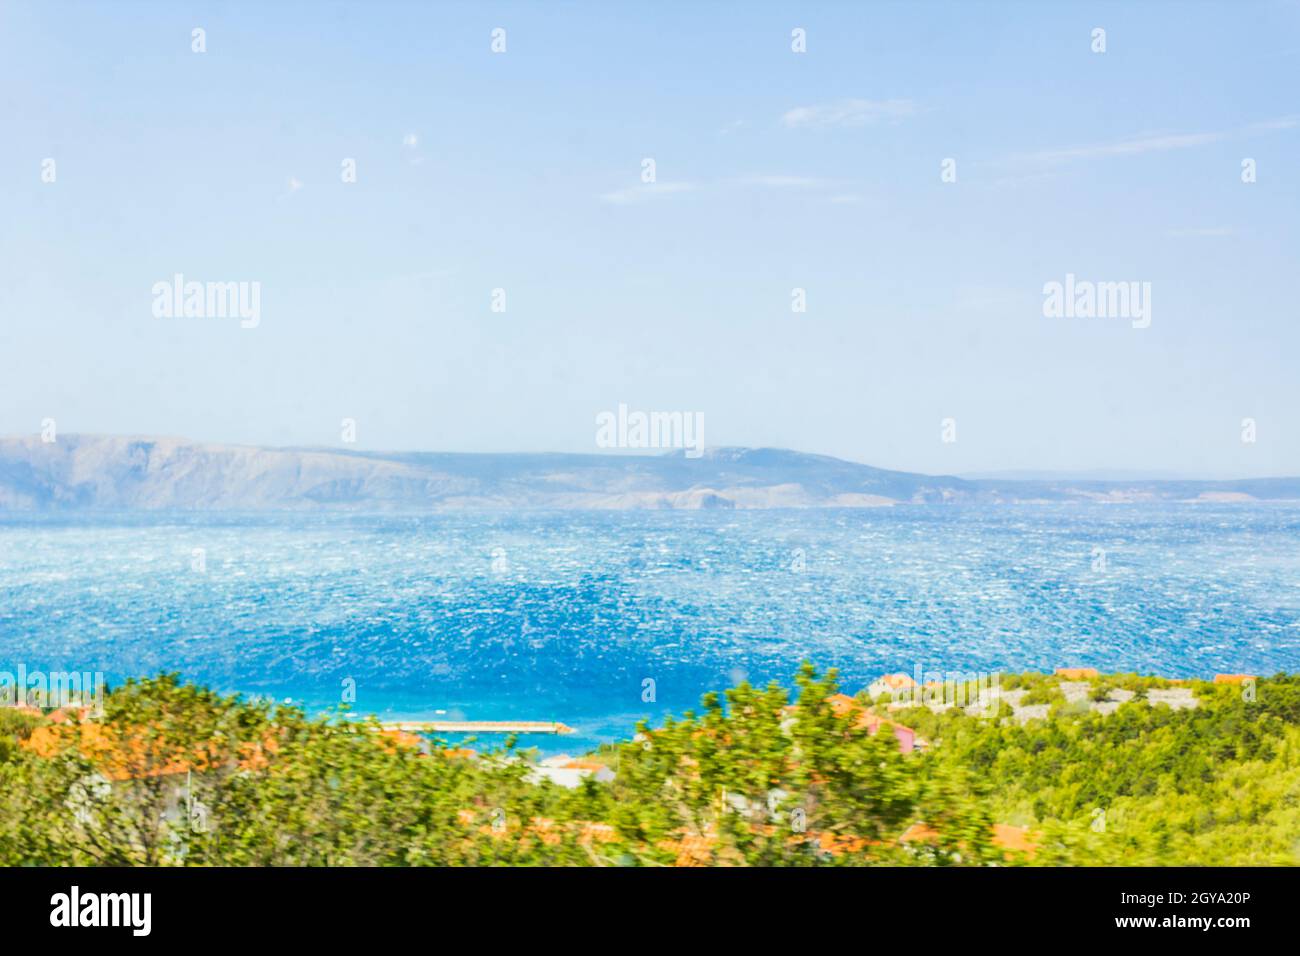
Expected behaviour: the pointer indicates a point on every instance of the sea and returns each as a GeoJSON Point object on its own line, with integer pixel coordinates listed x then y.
{"type": "Point", "coordinates": [603, 619]}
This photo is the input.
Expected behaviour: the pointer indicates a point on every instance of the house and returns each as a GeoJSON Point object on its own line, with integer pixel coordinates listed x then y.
{"type": "Point", "coordinates": [568, 772]}
{"type": "Point", "coordinates": [1233, 678]}
{"type": "Point", "coordinates": [891, 684]}
{"type": "Point", "coordinates": [843, 705]}
{"type": "Point", "coordinates": [906, 736]}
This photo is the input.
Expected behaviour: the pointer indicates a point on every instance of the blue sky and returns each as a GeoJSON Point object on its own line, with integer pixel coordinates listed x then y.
{"type": "Point", "coordinates": [775, 170]}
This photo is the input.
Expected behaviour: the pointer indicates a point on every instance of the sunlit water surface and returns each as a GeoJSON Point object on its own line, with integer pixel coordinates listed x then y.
{"type": "Point", "coordinates": [564, 616]}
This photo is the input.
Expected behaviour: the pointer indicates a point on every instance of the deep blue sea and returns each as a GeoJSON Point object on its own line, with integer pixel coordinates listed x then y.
{"type": "Point", "coordinates": [563, 616]}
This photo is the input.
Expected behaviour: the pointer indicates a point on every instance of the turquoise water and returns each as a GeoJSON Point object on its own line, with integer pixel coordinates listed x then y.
{"type": "Point", "coordinates": [564, 616]}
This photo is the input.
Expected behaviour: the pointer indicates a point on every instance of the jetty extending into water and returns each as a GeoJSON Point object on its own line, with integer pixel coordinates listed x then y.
{"type": "Point", "coordinates": [480, 727]}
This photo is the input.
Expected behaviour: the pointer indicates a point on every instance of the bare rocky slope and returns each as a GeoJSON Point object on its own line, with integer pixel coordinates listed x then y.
{"type": "Point", "coordinates": [141, 473]}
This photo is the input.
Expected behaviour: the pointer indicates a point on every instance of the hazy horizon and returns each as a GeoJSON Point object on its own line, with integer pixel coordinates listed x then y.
{"type": "Point", "coordinates": [1006, 474]}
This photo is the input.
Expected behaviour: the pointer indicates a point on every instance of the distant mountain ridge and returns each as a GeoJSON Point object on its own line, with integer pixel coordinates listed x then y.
{"type": "Point", "coordinates": [143, 473]}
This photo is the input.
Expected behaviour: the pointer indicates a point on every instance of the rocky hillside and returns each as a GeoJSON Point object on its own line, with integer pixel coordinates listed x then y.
{"type": "Point", "coordinates": [132, 473]}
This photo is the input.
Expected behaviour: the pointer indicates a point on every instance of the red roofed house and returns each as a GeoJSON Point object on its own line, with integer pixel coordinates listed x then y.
{"type": "Point", "coordinates": [905, 736]}
{"type": "Point", "coordinates": [842, 705]}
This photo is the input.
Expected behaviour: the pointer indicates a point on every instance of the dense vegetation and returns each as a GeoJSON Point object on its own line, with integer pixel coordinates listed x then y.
{"type": "Point", "coordinates": [176, 774]}
{"type": "Point", "coordinates": [1146, 785]}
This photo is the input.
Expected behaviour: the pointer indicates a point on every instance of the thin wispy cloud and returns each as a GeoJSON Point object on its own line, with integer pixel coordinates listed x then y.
{"type": "Point", "coordinates": [782, 182]}
{"type": "Point", "coordinates": [1268, 126]}
{"type": "Point", "coordinates": [1154, 142]}
{"type": "Point", "coordinates": [643, 192]}
{"type": "Point", "coordinates": [1126, 147]}
{"type": "Point", "coordinates": [850, 112]}
{"type": "Point", "coordinates": [1199, 233]}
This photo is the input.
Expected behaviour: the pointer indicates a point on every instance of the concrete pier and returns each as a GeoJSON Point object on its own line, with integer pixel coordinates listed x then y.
{"type": "Point", "coordinates": [480, 727]}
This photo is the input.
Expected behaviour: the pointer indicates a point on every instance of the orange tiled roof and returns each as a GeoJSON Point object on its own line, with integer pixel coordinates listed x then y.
{"type": "Point", "coordinates": [1013, 839]}
{"type": "Point", "coordinates": [1233, 678]}
{"type": "Point", "coordinates": [896, 681]}
{"type": "Point", "coordinates": [870, 722]}
{"type": "Point", "coordinates": [1006, 837]}
{"type": "Point", "coordinates": [583, 764]}
{"type": "Point", "coordinates": [919, 833]}
{"type": "Point", "coordinates": [842, 704]}
{"type": "Point", "coordinates": [1076, 673]}
{"type": "Point", "coordinates": [136, 757]}
{"type": "Point", "coordinates": [399, 738]}
{"type": "Point", "coordinates": [838, 844]}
